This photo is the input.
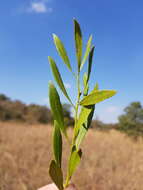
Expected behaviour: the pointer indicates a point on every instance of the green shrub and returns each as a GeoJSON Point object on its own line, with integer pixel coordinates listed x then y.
{"type": "Point", "coordinates": [131, 122]}
{"type": "Point", "coordinates": [38, 114]}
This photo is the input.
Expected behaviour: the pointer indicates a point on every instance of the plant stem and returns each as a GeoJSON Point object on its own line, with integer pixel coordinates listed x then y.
{"type": "Point", "coordinates": [66, 182]}
{"type": "Point", "coordinates": [78, 98]}
{"type": "Point", "coordinates": [76, 119]}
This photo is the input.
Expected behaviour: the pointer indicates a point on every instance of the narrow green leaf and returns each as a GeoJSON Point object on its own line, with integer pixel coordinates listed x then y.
{"type": "Point", "coordinates": [74, 161]}
{"type": "Point", "coordinates": [86, 52]}
{"type": "Point", "coordinates": [90, 117]}
{"type": "Point", "coordinates": [83, 116]}
{"type": "Point", "coordinates": [97, 96]}
{"type": "Point", "coordinates": [84, 128]}
{"type": "Point", "coordinates": [57, 143]}
{"type": "Point", "coordinates": [81, 135]}
{"type": "Point", "coordinates": [85, 92]}
{"type": "Point", "coordinates": [61, 50]}
{"type": "Point", "coordinates": [58, 77]}
{"type": "Point", "coordinates": [90, 62]}
{"type": "Point", "coordinates": [96, 87]}
{"type": "Point", "coordinates": [56, 107]}
{"type": "Point", "coordinates": [78, 42]}
{"type": "Point", "coordinates": [56, 175]}
{"type": "Point", "coordinates": [85, 79]}
{"type": "Point", "coordinates": [85, 84]}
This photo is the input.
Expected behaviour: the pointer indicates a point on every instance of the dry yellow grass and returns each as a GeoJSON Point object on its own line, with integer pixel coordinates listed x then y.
{"type": "Point", "coordinates": [110, 161]}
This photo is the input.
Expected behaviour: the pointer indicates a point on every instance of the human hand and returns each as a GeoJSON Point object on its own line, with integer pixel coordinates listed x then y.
{"type": "Point", "coordinates": [54, 187]}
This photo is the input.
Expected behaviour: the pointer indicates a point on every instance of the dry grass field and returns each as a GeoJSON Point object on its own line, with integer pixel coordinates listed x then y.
{"type": "Point", "coordinates": [111, 161]}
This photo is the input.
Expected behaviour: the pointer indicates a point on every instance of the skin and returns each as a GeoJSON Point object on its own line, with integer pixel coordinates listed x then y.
{"type": "Point", "coordinates": [53, 187]}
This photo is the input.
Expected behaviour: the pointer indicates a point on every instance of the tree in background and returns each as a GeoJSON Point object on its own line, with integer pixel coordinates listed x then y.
{"type": "Point", "coordinates": [38, 114]}
{"type": "Point", "coordinates": [11, 110]}
{"type": "Point", "coordinates": [132, 121]}
{"type": "Point", "coordinates": [3, 97]}
{"type": "Point", "coordinates": [18, 111]}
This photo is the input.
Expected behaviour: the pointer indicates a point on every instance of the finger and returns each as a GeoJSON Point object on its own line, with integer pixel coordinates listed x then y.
{"type": "Point", "coordinates": [54, 187]}
{"type": "Point", "coordinates": [71, 187]}
{"type": "Point", "coordinates": [49, 187]}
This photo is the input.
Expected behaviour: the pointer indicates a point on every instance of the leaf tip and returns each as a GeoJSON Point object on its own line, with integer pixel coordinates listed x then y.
{"type": "Point", "coordinates": [76, 22]}
{"type": "Point", "coordinates": [74, 19]}
{"type": "Point", "coordinates": [90, 37]}
{"type": "Point", "coordinates": [49, 58]}
{"type": "Point", "coordinates": [115, 92]}
{"type": "Point", "coordinates": [92, 48]}
{"type": "Point", "coordinates": [54, 36]}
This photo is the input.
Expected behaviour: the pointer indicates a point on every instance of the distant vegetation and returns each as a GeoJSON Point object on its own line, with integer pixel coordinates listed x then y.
{"type": "Point", "coordinates": [18, 111]}
{"type": "Point", "coordinates": [131, 122]}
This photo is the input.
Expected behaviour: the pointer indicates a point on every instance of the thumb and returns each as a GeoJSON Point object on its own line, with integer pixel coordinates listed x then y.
{"type": "Point", "coordinates": [71, 187]}
{"type": "Point", "coordinates": [54, 187]}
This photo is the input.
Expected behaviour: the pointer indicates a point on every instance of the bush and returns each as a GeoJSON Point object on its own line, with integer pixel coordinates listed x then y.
{"type": "Point", "coordinates": [131, 122]}
{"type": "Point", "coordinates": [38, 114]}
{"type": "Point", "coordinates": [18, 111]}
{"type": "Point", "coordinates": [33, 113]}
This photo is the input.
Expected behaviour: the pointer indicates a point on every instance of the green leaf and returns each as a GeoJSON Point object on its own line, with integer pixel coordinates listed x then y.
{"type": "Point", "coordinates": [89, 120]}
{"type": "Point", "coordinates": [81, 135]}
{"type": "Point", "coordinates": [56, 107]}
{"type": "Point", "coordinates": [56, 175]}
{"type": "Point", "coordinates": [84, 127]}
{"type": "Point", "coordinates": [78, 42]}
{"type": "Point", "coordinates": [74, 160]}
{"type": "Point", "coordinates": [57, 143]}
{"type": "Point", "coordinates": [86, 51]}
{"type": "Point", "coordinates": [90, 62]}
{"type": "Point", "coordinates": [85, 84]}
{"type": "Point", "coordinates": [85, 79]}
{"type": "Point", "coordinates": [61, 50]}
{"type": "Point", "coordinates": [85, 92]}
{"type": "Point", "coordinates": [96, 87]}
{"type": "Point", "coordinates": [83, 116]}
{"type": "Point", "coordinates": [97, 96]}
{"type": "Point", "coordinates": [57, 77]}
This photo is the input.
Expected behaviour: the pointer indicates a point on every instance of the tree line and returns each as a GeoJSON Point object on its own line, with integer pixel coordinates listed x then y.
{"type": "Point", "coordinates": [15, 110]}
{"type": "Point", "coordinates": [130, 122]}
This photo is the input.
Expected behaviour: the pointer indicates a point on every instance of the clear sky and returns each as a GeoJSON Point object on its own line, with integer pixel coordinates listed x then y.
{"type": "Point", "coordinates": [26, 29]}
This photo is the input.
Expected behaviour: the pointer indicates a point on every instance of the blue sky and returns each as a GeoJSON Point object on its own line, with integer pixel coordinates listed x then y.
{"type": "Point", "coordinates": [26, 41]}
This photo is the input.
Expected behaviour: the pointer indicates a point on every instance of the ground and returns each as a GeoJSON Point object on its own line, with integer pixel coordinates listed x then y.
{"type": "Point", "coordinates": [111, 161]}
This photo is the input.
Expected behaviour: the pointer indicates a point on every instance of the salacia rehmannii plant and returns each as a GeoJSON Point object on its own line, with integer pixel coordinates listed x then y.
{"type": "Point", "coordinates": [85, 104]}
